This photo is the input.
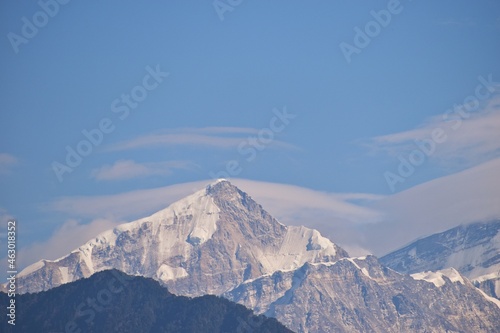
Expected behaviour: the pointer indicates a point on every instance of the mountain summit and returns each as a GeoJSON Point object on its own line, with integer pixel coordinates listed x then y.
{"type": "Point", "coordinates": [206, 243]}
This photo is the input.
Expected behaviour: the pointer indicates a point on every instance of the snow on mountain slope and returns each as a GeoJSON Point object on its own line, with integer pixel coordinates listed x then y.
{"type": "Point", "coordinates": [206, 243]}
{"type": "Point", "coordinates": [473, 250]}
{"type": "Point", "coordinates": [361, 295]}
{"type": "Point", "coordinates": [437, 278]}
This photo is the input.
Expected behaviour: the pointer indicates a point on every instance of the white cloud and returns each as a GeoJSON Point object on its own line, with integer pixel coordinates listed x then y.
{"type": "Point", "coordinates": [437, 205]}
{"type": "Point", "coordinates": [127, 205]}
{"type": "Point", "coordinates": [7, 161]}
{"type": "Point", "coordinates": [5, 215]}
{"type": "Point", "coordinates": [4, 218]}
{"type": "Point", "coordinates": [467, 139]}
{"type": "Point", "coordinates": [294, 204]}
{"type": "Point", "coordinates": [128, 169]}
{"type": "Point", "coordinates": [65, 239]}
{"type": "Point", "coordinates": [468, 144]}
{"type": "Point", "coordinates": [214, 137]}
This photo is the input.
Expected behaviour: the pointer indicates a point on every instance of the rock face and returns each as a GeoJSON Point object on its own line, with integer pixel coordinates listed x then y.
{"type": "Point", "coordinates": [473, 250]}
{"type": "Point", "coordinates": [360, 295]}
{"type": "Point", "coordinates": [220, 241]}
{"type": "Point", "coordinates": [207, 243]}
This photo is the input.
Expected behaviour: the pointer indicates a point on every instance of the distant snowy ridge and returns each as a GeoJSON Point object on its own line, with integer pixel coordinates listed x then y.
{"type": "Point", "coordinates": [361, 295]}
{"type": "Point", "coordinates": [473, 250]}
{"type": "Point", "coordinates": [437, 278]}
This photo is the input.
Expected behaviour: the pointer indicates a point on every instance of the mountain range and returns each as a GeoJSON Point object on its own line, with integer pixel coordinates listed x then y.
{"type": "Point", "coordinates": [219, 241]}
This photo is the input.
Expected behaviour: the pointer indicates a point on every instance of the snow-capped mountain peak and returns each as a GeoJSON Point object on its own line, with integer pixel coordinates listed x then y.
{"type": "Point", "coordinates": [207, 242]}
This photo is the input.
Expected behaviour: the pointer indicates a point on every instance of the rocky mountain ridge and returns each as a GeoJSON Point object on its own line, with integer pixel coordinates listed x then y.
{"type": "Point", "coordinates": [361, 295]}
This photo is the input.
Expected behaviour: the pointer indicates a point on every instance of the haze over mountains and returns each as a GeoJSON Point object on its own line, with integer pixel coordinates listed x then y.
{"type": "Point", "coordinates": [220, 241]}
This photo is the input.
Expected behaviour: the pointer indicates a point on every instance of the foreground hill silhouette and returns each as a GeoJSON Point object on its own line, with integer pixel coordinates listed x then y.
{"type": "Point", "coordinates": [111, 301]}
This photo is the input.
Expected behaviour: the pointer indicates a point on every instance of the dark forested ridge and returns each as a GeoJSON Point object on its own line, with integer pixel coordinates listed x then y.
{"type": "Point", "coordinates": [111, 301]}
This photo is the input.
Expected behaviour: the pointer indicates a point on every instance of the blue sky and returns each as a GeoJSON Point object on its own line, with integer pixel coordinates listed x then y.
{"type": "Point", "coordinates": [230, 82]}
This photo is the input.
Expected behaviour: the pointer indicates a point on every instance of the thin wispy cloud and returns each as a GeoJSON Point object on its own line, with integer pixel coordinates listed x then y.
{"type": "Point", "coordinates": [212, 137]}
{"type": "Point", "coordinates": [294, 204]}
{"type": "Point", "coordinates": [125, 205]}
{"type": "Point", "coordinates": [466, 140]}
{"type": "Point", "coordinates": [4, 218]}
{"type": "Point", "coordinates": [217, 130]}
{"type": "Point", "coordinates": [129, 169]}
{"type": "Point", "coordinates": [69, 236]}
{"type": "Point", "coordinates": [458, 22]}
{"type": "Point", "coordinates": [467, 196]}
{"type": "Point", "coordinates": [7, 161]}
